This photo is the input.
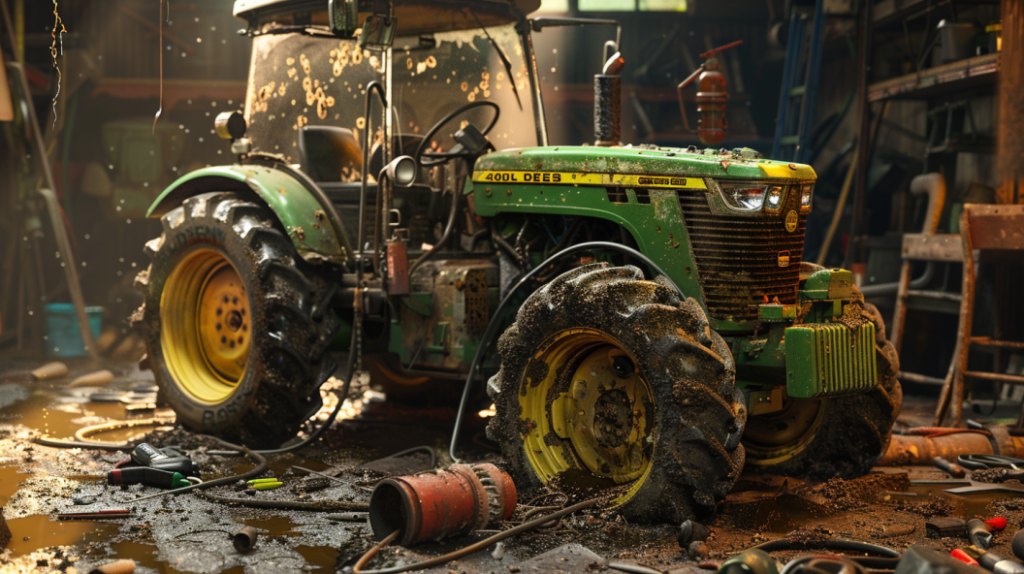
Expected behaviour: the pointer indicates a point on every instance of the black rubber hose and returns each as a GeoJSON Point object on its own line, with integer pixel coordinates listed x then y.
{"type": "Point", "coordinates": [372, 87]}
{"type": "Point", "coordinates": [494, 324]}
{"type": "Point", "coordinates": [849, 545]}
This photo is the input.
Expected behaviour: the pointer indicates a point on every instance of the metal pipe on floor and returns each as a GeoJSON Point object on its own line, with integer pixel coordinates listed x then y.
{"type": "Point", "coordinates": [921, 450]}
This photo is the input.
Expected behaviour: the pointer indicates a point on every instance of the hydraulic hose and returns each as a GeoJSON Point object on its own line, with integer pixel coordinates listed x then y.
{"type": "Point", "coordinates": [494, 324]}
{"type": "Point", "coordinates": [372, 87]}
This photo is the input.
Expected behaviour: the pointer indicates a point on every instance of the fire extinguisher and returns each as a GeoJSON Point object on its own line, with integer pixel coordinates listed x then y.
{"type": "Point", "coordinates": [711, 97]}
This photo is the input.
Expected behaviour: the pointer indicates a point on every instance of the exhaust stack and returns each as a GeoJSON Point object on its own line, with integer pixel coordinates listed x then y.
{"type": "Point", "coordinates": [608, 102]}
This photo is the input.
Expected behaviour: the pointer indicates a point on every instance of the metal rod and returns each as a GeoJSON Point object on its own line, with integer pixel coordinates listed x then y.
{"type": "Point", "coordinates": [53, 206]}
{"type": "Point", "coordinates": [531, 74]}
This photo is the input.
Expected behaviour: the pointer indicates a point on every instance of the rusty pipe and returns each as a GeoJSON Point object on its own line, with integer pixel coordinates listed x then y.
{"type": "Point", "coordinates": [934, 186]}
{"type": "Point", "coordinates": [441, 503]}
{"type": "Point", "coordinates": [921, 450]}
{"type": "Point", "coordinates": [245, 539]}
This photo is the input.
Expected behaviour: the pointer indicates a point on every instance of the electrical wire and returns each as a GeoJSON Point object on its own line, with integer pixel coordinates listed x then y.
{"type": "Point", "coordinates": [526, 526]}
{"type": "Point", "coordinates": [493, 325]}
{"type": "Point", "coordinates": [314, 505]}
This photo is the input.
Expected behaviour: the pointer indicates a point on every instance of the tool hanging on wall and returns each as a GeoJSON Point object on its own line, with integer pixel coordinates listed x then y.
{"type": "Point", "coordinates": [711, 97]}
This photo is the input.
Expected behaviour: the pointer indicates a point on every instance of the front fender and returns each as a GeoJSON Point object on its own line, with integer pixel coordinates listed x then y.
{"type": "Point", "coordinates": [296, 207]}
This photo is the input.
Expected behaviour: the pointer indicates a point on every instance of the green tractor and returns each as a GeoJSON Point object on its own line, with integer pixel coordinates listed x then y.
{"type": "Point", "coordinates": [396, 198]}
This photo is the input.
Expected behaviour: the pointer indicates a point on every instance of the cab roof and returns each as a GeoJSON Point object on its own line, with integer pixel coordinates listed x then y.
{"type": "Point", "coordinates": [413, 16]}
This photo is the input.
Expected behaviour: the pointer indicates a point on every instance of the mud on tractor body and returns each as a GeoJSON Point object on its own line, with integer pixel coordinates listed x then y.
{"type": "Point", "coordinates": [396, 199]}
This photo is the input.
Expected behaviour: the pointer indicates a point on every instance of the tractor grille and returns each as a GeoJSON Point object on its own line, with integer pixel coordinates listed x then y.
{"type": "Point", "coordinates": [828, 360]}
{"type": "Point", "coordinates": [738, 257]}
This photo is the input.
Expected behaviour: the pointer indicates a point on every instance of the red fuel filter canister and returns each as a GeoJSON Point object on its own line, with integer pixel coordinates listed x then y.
{"type": "Point", "coordinates": [441, 503]}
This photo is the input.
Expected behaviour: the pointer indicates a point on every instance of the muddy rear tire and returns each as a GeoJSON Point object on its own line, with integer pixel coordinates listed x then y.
{"type": "Point", "coordinates": [844, 436]}
{"type": "Point", "coordinates": [612, 384]}
{"type": "Point", "coordinates": [237, 324]}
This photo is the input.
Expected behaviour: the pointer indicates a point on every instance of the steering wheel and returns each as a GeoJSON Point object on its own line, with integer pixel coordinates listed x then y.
{"type": "Point", "coordinates": [441, 157]}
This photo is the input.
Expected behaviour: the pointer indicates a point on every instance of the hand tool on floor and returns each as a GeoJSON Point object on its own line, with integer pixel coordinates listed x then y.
{"type": "Point", "coordinates": [951, 468]}
{"type": "Point", "coordinates": [165, 458]}
{"type": "Point", "coordinates": [964, 486]}
{"type": "Point", "coordinates": [1000, 564]}
{"type": "Point", "coordinates": [265, 483]}
{"type": "Point", "coordinates": [986, 461]}
{"type": "Point", "coordinates": [147, 476]}
{"type": "Point", "coordinates": [111, 513]}
{"type": "Point", "coordinates": [979, 534]}
{"type": "Point", "coordinates": [964, 557]}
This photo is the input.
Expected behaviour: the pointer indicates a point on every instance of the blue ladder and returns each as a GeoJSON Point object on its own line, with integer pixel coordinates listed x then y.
{"type": "Point", "coordinates": [801, 77]}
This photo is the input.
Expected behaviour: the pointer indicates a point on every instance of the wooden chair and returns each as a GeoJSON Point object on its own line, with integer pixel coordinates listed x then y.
{"type": "Point", "coordinates": [996, 232]}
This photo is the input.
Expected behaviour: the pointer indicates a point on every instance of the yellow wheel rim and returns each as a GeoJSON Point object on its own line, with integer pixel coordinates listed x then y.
{"type": "Point", "coordinates": [777, 437]}
{"type": "Point", "coordinates": [205, 328]}
{"type": "Point", "coordinates": [589, 415]}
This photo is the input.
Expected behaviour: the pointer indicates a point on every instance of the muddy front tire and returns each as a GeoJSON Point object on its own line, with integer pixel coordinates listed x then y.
{"type": "Point", "coordinates": [612, 384]}
{"type": "Point", "coordinates": [237, 324]}
{"type": "Point", "coordinates": [842, 436]}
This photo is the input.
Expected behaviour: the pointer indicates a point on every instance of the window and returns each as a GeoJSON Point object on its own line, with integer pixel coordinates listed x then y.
{"type": "Point", "coordinates": [626, 5]}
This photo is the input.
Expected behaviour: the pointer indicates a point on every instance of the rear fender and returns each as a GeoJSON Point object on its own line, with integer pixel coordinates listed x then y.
{"type": "Point", "coordinates": [296, 207]}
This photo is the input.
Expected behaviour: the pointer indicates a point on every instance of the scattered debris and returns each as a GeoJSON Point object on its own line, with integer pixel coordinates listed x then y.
{"type": "Point", "coordinates": [95, 379]}
{"type": "Point", "coordinates": [245, 539]}
{"type": "Point", "coordinates": [690, 531]}
{"type": "Point", "coordinates": [945, 527]}
{"type": "Point", "coordinates": [117, 567]}
{"type": "Point", "coordinates": [54, 370]}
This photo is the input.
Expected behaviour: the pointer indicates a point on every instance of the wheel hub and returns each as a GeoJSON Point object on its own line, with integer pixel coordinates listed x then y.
{"type": "Point", "coordinates": [613, 418]}
{"type": "Point", "coordinates": [224, 322]}
{"type": "Point", "coordinates": [592, 412]}
{"type": "Point", "coordinates": [206, 330]}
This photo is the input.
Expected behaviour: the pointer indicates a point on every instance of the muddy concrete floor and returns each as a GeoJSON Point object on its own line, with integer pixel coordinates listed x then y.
{"type": "Point", "coordinates": [191, 533]}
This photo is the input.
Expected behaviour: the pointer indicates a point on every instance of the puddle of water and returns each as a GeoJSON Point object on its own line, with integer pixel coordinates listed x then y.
{"type": "Point", "coordinates": [272, 527]}
{"type": "Point", "coordinates": [35, 413]}
{"type": "Point", "coordinates": [323, 558]}
{"type": "Point", "coordinates": [36, 532]}
{"type": "Point", "coordinates": [9, 480]}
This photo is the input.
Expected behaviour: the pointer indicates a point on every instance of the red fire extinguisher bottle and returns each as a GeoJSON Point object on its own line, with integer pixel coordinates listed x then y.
{"type": "Point", "coordinates": [712, 96]}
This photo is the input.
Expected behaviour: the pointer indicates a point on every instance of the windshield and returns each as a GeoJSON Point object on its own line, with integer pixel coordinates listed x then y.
{"type": "Point", "coordinates": [297, 80]}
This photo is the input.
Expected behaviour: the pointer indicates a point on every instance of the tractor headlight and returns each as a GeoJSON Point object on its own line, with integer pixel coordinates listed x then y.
{"type": "Point", "coordinates": [743, 195]}
{"type": "Point", "coordinates": [773, 199]}
{"type": "Point", "coordinates": [806, 190]}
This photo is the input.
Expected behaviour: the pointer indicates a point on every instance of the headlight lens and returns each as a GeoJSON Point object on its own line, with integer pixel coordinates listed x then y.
{"type": "Point", "coordinates": [774, 199]}
{"type": "Point", "coordinates": [743, 195]}
{"type": "Point", "coordinates": [805, 197]}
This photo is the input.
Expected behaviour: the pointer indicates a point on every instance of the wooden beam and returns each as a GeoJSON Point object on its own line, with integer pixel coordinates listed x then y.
{"type": "Point", "coordinates": [1010, 137]}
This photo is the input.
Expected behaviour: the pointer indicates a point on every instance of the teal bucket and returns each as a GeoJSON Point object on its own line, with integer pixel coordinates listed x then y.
{"type": "Point", "coordinates": [63, 337]}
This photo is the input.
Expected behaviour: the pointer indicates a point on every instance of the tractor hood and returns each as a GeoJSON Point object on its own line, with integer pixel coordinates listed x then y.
{"type": "Point", "coordinates": [570, 163]}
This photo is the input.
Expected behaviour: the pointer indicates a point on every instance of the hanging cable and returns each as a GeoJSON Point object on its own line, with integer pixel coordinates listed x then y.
{"type": "Point", "coordinates": [495, 323]}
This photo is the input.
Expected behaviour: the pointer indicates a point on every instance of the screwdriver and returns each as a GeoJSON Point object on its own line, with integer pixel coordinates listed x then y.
{"type": "Point", "coordinates": [147, 476]}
